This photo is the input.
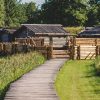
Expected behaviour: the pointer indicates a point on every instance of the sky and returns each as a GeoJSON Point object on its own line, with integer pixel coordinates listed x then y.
{"type": "Point", "coordinates": [38, 2]}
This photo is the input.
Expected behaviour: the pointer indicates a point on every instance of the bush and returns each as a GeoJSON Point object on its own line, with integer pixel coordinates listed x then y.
{"type": "Point", "coordinates": [13, 67]}
{"type": "Point", "coordinates": [97, 65]}
{"type": "Point", "coordinates": [73, 30]}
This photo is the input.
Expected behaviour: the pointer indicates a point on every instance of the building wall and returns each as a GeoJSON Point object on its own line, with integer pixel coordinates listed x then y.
{"type": "Point", "coordinates": [57, 42]}
{"type": "Point", "coordinates": [5, 37]}
{"type": "Point", "coordinates": [23, 33]}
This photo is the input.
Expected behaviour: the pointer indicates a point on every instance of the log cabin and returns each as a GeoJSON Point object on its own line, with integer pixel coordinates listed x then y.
{"type": "Point", "coordinates": [6, 35]}
{"type": "Point", "coordinates": [53, 34]}
{"type": "Point", "coordinates": [90, 33]}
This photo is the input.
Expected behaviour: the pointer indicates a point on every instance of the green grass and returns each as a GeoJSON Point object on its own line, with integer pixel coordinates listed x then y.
{"type": "Point", "coordinates": [13, 67]}
{"type": "Point", "coordinates": [97, 65]}
{"type": "Point", "coordinates": [73, 30]}
{"type": "Point", "coordinates": [77, 80]}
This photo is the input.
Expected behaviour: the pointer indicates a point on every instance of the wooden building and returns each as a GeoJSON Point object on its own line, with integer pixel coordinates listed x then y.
{"type": "Point", "coordinates": [90, 33]}
{"type": "Point", "coordinates": [6, 35]}
{"type": "Point", "coordinates": [53, 34]}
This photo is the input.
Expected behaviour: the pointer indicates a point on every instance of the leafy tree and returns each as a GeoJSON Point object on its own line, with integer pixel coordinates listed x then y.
{"type": "Point", "coordinates": [2, 13]}
{"type": "Point", "coordinates": [21, 13]}
{"type": "Point", "coordinates": [30, 10]}
{"type": "Point", "coordinates": [66, 12]}
{"type": "Point", "coordinates": [10, 15]}
{"type": "Point", "coordinates": [92, 16]}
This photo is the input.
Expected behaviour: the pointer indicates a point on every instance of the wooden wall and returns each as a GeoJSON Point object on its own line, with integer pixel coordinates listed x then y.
{"type": "Point", "coordinates": [57, 42]}
{"type": "Point", "coordinates": [85, 48]}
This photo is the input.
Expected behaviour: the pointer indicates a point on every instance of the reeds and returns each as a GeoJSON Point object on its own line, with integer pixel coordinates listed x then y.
{"type": "Point", "coordinates": [13, 67]}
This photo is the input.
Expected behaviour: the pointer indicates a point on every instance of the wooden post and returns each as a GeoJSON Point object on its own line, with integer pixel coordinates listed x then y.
{"type": "Point", "coordinates": [50, 41]}
{"type": "Point", "coordinates": [78, 53]}
{"type": "Point", "coordinates": [74, 41]}
{"type": "Point", "coordinates": [73, 48]}
{"type": "Point", "coordinates": [49, 52]}
{"type": "Point", "coordinates": [97, 50]}
{"type": "Point", "coordinates": [96, 42]}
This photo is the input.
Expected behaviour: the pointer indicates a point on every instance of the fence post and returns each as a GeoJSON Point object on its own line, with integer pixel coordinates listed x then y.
{"type": "Point", "coordinates": [78, 53]}
{"type": "Point", "coordinates": [50, 52]}
{"type": "Point", "coordinates": [97, 50]}
{"type": "Point", "coordinates": [72, 52]}
{"type": "Point", "coordinates": [96, 42]}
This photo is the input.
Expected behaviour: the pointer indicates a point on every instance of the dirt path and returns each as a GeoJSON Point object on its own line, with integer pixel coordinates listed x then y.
{"type": "Point", "coordinates": [37, 84]}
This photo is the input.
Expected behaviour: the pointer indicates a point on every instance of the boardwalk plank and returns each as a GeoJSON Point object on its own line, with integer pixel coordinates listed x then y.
{"type": "Point", "coordinates": [38, 84]}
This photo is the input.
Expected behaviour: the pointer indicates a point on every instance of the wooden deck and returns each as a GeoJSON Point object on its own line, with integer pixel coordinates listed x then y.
{"type": "Point", "coordinates": [37, 84]}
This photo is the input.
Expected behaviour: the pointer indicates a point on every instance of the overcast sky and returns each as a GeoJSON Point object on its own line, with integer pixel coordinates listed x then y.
{"type": "Point", "coordinates": [38, 2]}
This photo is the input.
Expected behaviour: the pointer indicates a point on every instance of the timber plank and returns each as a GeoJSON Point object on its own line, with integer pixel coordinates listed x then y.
{"type": "Point", "coordinates": [38, 84]}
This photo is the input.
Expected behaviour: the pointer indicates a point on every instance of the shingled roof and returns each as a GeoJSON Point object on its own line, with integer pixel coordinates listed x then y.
{"type": "Point", "coordinates": [7, 31]}
{"type": "Point", "coordinates": [45, 28]}
{"type": "Point", "coordinates": [94, 32]}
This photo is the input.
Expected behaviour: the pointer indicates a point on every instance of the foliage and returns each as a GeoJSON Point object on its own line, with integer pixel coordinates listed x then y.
{"type": "Point", "coordinates": [77, 81]}
{"type": "Point", "coordinates": [97, 64]}
{"type": "Point", "coordinates": [10, 12]}
{"type": "Point", "coordinates": [2, 13]}
{"type": "Point", "coordinates": [21, 14]}
{"type": "Point", "coordinates": [73, 30]}
{"type": "Point", "coordinates": [66, 12]}
{"type": "Point", "coordinates": [31, 8]}
{"type": "Point", "coordinates": [13, 67]}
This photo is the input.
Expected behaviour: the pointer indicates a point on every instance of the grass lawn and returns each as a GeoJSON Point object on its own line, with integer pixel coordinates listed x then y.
{"type": "Point", "coordinates": [77, 80]}
{"type": "Point", "coordinates": [13, 67]}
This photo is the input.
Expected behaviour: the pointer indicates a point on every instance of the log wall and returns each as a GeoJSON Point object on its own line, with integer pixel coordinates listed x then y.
{"type": "Point", "coordinates": [85, 48]}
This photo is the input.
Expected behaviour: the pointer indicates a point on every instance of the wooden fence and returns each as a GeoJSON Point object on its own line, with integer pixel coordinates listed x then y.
{"type": "Point", "coordinates": [60, 52]}
{"type": "Point", "coordinates": [13, 48]}
{"type": "Point", "coordinates": [85, 48]}
{"type": "Point", "coordinates": [30, 41]}
{"type": "Point", "coordinates": [86, 41]}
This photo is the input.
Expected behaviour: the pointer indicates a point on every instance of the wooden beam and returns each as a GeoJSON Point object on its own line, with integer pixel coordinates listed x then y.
{"type": "Point", "coordinates": [51, 41]}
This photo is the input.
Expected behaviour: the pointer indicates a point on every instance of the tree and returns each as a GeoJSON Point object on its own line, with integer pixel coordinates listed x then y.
{"type": "Point", "coordinates": [92, 16]}
{"type": "Point", "coordinates": [66, 12]}
{"type": "Point", "coordinates": [11, 13]}
{"type": "Point", "coordinates": [2, 13]}
{"type": "Point", "coordinates": [21, 13]}
{"type": "Point", "coordinates": [30, 10]}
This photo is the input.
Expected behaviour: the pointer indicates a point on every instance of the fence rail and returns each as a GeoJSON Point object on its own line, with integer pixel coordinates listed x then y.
{"type": "Point", "coordinates": [12, 48]}
{"type": "Point", "coordinates": [85, 48]}
{"type": "Point", "coordinates": [31, 41]}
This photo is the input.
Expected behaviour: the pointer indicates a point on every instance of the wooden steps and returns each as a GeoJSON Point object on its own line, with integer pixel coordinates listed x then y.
{"type": "Point", "coordinates": [60, 54]}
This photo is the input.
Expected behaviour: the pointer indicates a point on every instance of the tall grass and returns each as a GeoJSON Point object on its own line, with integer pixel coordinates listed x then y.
{"type": "Point", "coordinates": [13, 67]}
{"type": "Point", "coordinates": [73, 30]}
{"type": "Point", "coordinates": [97, 65]}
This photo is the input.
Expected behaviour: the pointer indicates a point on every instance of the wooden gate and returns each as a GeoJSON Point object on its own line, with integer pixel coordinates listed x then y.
{"type": "Point", "coordinates": [60, 52]}
{"type": "Point", "coordinates": [59, 47]}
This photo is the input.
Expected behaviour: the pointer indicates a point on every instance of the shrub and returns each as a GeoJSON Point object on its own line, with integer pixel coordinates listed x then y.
{"type": "Point", "coordinates": [13, 67]}
{"type": "Point", "coordinates": [73, 30]}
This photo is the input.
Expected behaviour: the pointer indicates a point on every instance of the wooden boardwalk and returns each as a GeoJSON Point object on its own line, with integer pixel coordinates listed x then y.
{"type": "Point", "coordinates": [37, 84]}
